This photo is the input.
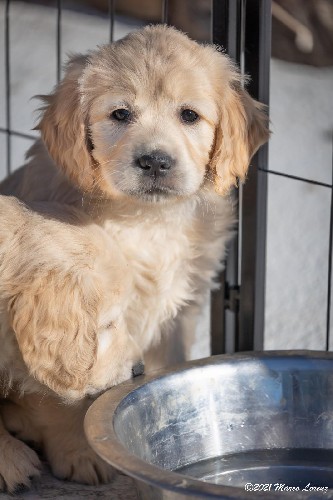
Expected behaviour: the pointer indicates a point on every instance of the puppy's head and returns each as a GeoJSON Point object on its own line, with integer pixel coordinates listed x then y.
{"type": "Point", "coordinates": [154, 116]}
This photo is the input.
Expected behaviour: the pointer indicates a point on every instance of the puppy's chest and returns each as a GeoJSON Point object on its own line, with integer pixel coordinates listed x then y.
{"type": "Point", "coordinates": [162, 262]}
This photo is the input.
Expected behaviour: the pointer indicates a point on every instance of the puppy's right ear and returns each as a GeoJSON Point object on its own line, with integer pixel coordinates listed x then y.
{"type": "Point", "coordinates": [63, 126]}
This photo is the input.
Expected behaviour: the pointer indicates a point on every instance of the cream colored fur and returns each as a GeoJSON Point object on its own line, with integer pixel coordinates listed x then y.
{"type": "Point", "coordinates": [96, 265]}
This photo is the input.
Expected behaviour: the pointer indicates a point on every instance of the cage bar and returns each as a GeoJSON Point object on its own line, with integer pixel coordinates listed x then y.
{"type": "Point", "coordinates": [165, 11]}
{"type": "Point", "coordinates": [17, 133]}
{"type": "Point", "coordinates": [7, 76]}
{"type": "Point", "coordinates": [220, 36]}
{"type": "Point", "coordinates": [226, 32]}
{"type": "Point", "coordinates": [254, 196]}
{"type": "Point", "coordinates": [112, 6]}
{"type": "Point", "coordinates": [59, 13]}
{"type": "Point", "coordinates": [329, 274]}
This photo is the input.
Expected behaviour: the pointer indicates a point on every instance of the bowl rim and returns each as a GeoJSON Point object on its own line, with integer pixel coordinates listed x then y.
{"type": "Point", "coordinates": [103, 439]}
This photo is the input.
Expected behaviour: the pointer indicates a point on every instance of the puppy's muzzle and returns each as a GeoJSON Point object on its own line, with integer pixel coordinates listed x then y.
{"type": "Point", "coordinates": [155, 164]}
{"type": "Point", "coordinates": [138, 369]}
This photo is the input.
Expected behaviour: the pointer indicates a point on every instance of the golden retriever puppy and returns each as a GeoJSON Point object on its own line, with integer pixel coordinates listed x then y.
{"type": "Point", "coordinates": [113, 233]}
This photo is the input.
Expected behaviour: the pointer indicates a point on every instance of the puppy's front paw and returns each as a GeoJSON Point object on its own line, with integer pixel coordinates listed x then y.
{"type": "Point", "coordinates": [82, 467]}
{"type": "Point", "coordinates": [18, 463]}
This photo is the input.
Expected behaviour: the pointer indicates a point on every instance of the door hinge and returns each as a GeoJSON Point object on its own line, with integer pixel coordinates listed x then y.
{"type": "Point", "coordinates": [231, 297]}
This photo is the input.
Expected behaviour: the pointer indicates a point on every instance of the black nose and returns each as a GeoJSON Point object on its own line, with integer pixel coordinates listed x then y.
{"type": "Point", "coordinates": [138, 369]}
{"type": "Point", "coordinates": [155, 164]}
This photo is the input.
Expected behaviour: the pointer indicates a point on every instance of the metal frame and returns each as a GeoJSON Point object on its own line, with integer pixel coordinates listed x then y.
{"type": "Point", "coordinates": [226, 32]}
{"type": "Point", "coordinates": [238, 308]}
{"type": "Point", "coordinates": [253, 223]}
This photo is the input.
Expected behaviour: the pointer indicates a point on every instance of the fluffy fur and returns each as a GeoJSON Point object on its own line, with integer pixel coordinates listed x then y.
{"type": "Point", "coordinates": [100, 260]}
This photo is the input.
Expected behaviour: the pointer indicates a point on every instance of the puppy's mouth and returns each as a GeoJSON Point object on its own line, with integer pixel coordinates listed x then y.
{"type": "Point", "coordinates": [156, 194]}
{"type": "Point", "coordinates": [159, 190]}
{"type": "Point", "coordinates": [154, 191]}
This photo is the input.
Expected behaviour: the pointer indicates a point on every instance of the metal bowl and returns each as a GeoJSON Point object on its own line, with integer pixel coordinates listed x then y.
{"type": "Point", "coordinates": [241, 426]}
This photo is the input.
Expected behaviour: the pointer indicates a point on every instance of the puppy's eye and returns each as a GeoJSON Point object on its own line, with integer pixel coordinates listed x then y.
{"type": "Point", "coordinates": [189, 116]}
{"type": "Point", "coordinates": [121, 115]}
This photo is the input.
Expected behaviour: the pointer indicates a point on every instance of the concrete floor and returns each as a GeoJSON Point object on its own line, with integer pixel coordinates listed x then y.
{"type": "Point", "coordinates": [47, 486]}
{"type": "Point", "coordinates": [298, 213]}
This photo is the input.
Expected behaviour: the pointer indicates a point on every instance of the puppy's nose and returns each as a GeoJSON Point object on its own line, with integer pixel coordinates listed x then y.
{"type": "Point", "coordinates": [155, 164]}
{"type": "Point", "coordinates": [138, 369]}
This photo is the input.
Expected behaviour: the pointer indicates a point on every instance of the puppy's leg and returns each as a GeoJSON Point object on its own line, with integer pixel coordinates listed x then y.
{"type": "Point", "coordinates": [177, 341]}
{"type": "Point", "coordinates": [67, 449]}
{"type": "Point", "coordinates": [193, 328]}
{"type": "Point", "coordinates": [169, 351]}
{"type": "Point", "coordinates": [61, 437]}
{"type": "Point", "coordinates": [18, 462]}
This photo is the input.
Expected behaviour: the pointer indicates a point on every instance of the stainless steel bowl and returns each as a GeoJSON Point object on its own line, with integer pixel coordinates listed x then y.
{"type": "Point", "coordinates": [216, 428]}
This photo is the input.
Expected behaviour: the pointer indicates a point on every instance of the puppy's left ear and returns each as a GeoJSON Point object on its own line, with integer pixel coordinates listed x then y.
{"type": "Point", "coordinates": [243, 128]}
{"type": "Point", "coordinates": [63, 126]}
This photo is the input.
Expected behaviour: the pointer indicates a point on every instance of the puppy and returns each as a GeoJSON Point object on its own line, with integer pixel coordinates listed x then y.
{"type": "Point", "coordinates": [113, 233]}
